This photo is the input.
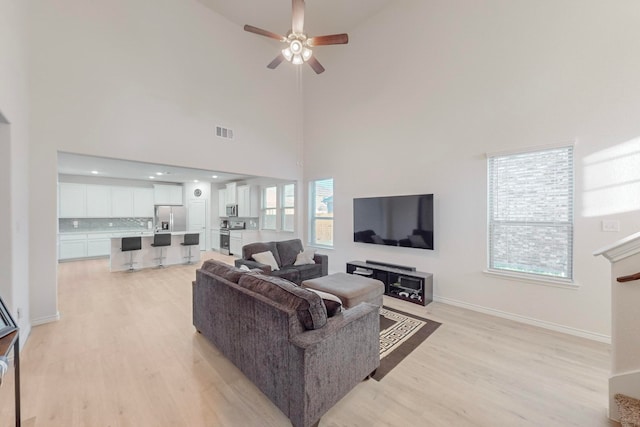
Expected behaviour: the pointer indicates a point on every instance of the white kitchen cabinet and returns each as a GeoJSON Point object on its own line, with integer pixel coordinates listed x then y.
{"type": "Point", "coordinates": [215, 239]}
{"type": "Point", "coordinates": [121, 202]}
{"type": "Point", "coordinates": [143, 202]}
{"type": "Point", "coordinates": [235, 244]}
{"type": "Point", "coordinates": [98, 245]}
{"type": "Point", "coordinates": [231, 193]}
{"type": "Point", "coordinates": [164, 194]}
{"type": "Point", "coordinates": [248, 201]}
{"type": "Point", "coordinates": [222, 202]}
{"type": "Point", "coordinates": [98, 201]}
{"type": "Point", "coordinates": [72, 246]}
{"type": "Point", "coordinates": [72, 200]}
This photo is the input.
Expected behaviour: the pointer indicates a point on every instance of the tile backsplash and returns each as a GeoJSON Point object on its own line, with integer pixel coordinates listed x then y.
{"type": "Point", "coordinates": [70, 225]}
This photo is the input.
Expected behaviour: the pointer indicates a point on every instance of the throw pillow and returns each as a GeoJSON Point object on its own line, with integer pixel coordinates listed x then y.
{"type": "Point", "coordinates": [305, 257]}
{"type": "Point", "coordinates": [243, 267]}
{"type": "Point", "coordinates": [266, 258]}
{"type": "Point", "coordinates": [332, 303]}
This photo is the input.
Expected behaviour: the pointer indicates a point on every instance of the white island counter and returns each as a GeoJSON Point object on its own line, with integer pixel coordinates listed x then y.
{"type": "Point", "coordinates": [147, 256]}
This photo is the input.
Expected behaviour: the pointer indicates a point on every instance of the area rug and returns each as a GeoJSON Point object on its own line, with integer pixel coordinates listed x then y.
{"type": "Point", "coordinates": [400, 334]}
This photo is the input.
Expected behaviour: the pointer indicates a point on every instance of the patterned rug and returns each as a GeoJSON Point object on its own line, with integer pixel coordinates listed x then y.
{"type": "Point", "coordinates": [400, 334]}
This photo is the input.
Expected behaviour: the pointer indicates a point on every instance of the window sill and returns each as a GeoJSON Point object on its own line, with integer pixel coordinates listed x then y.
{"type": "Point", "coordinates": [556, 283]}
{"type": "Point", "coordinates": [324, 248]}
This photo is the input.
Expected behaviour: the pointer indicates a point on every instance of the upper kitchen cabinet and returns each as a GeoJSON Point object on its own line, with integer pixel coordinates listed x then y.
{"type": "Point", "coordinates": [248, 201]}
{"type": "Point", "coordinates": [98, 201]}
{"type": "Point", "coordinates": [231, 193]}
{"type": "Point", "coordinates": [222, 202]}
{"type": "Point", "coordinates": [72, 200]}
{"type": "Point", "coordinates": [167, 194]}
{"type": "Point", "coordinates": [121, 202]}
{"type": "Point", "coordinates": [143, 202]}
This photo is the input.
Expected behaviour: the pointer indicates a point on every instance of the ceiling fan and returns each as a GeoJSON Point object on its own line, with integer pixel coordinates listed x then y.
{"type": "Point", "coordinates": [298, 50]}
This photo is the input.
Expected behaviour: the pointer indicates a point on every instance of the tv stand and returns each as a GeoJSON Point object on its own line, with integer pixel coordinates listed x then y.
{"type": "Point", "coordinates": [399, 281]}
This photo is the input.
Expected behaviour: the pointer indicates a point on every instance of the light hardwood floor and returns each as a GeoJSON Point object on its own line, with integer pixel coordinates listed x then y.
{"type": "Point", "coordinates": [125, 353]}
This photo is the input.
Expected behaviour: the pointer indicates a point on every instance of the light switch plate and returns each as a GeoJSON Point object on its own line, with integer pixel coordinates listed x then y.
{"type": "Point", "coordinates": [610, 225]}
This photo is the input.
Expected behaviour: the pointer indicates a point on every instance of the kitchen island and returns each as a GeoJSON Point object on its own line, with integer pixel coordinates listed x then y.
{"type": "Point", "coordinates": [147, 256]}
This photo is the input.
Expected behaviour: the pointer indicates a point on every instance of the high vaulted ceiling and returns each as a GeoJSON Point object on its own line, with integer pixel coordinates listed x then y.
{"type": "Point", "coordinates": [321, 16]}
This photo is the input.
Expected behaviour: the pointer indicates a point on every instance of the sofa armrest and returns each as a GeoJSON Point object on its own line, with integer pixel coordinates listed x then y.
{"type": "Point", "coordinates": [266, 269]}
{"type": "Point", "coordinates": [323, 260]}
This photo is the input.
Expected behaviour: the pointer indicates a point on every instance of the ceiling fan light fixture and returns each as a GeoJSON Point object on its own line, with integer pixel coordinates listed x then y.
{"type": "Point", "coordinates": [296, 47]}
{"type": "Point", "coordinates": [288, 55]}
{"type": "Point", "coordinates": [306, 54]}
{"type": "Point", "coordinates": [297, 60]}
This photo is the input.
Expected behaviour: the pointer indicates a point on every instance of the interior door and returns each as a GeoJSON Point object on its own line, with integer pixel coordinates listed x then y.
{"type": "Point", "coordinates": [197, 213]}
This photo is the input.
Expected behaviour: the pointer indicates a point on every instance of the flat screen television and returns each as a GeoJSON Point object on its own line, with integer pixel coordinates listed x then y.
{"type": "Point", "coordinates": [405, 221]}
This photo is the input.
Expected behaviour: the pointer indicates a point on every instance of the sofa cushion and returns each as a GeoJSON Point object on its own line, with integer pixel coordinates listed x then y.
{"type": "Point", "coordinates": [290, 273]}
{"type": "Point", "coordinates": [308, 306]}
{"type": "Point", "coordinates": [305, 257]}
{"type": "Point", "coordinates": [331, 302]}
{"type": "Point", "coordinates": [266, 258]}
{"type": "Point", "coordinates": [221, 269]}
{"type": "Point", "coordinates": [257, 247]}
{"type": "Point", "coordinates": [289, 250]}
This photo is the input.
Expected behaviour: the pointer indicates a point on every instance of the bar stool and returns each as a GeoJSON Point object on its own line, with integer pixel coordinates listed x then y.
{"type": "Point", "coordinates": [160, 240]}
{"type": "Point", "coordinates": [130, 244]}
{"type": "Point", "coordinates": [191, 239]}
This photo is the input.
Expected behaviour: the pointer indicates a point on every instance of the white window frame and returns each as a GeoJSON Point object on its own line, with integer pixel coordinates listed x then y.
{"type": "Point", "coordinates": [507, 226]}
{"type": "Point", "coordinates": [284, 207]}
{"type": "Point", "coordinates": [264, 208]}
{"type": "Point", "coordinates": [313, 218]}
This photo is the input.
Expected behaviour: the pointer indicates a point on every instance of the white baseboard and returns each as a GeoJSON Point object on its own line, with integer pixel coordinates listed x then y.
{"type": "Point", "coordinates": [46, 319]}
{"type": "Point", "coordinates": [527, 320]}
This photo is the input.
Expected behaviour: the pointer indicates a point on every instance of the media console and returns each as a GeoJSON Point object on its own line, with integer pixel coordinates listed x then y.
{"type": "Point", "coordinates": [399, 281]}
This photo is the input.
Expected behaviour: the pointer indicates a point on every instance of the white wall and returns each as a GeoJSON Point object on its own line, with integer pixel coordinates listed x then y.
{"type": "Point", "coordinates": [425, 88]}
{"type": "Point", "coordinates": [14, 151]}
{"type": "Point", "coordinates": [149, 81]}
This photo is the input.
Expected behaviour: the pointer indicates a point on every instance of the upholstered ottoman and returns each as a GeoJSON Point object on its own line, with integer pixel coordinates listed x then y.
{"type": "Point", "coordinates": [350, 288]}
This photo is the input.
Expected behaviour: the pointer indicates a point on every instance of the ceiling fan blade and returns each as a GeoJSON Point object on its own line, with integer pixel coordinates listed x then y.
{"type": "Point", "coordinates": [317, 67]}
{"type": "Point", "coordinates": [276, 61]}
{"type": "Point", "coordinates": [297, 16]}
{"type": "Point", "coordinates": [331, 39]}
{"type": "Point", "coordinates": [265, 33]}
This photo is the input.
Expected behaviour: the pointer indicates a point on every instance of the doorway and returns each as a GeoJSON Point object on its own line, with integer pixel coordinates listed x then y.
{"type": "Point", "coordinates": [197, 213]}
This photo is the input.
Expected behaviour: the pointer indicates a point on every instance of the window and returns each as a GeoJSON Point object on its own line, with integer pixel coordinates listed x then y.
{"type": "Point", "coordinates": [269, 208]}
{"type": "Point", "coordinates": [321, 212]}
{"type": "Point", "coordinates": [288, 207]}
{"type": "Point", "coordinates": [531, 213]}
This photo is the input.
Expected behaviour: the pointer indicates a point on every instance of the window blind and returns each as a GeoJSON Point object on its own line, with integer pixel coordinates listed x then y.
{"type": "Point", "coordinates": [531, 212]}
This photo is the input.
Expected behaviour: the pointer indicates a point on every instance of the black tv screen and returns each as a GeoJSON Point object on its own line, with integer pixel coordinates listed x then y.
{"type": "Point", "coordinates": [405, 221]}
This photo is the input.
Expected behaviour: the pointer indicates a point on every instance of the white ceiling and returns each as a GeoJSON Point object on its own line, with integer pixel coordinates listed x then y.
{"type": "Point", "coordinates": [322, 17]}
{"type": "Point", "coordinates": [77, 164]}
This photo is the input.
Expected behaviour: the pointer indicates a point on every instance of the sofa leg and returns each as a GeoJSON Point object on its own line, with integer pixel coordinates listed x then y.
{"type": "Point", "coordinates": [368, 377]}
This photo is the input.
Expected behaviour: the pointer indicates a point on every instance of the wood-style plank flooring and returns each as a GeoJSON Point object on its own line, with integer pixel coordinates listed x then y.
{"type": "Point", "coordinates": [125, 353]}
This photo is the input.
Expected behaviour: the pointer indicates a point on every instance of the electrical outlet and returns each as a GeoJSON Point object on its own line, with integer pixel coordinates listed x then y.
{"type": "Point", "coordinates": [610, 225]}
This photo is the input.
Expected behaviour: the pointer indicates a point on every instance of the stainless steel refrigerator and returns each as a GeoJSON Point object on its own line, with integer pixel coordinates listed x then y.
{"type": "Point", "coordinates": [170, 219]}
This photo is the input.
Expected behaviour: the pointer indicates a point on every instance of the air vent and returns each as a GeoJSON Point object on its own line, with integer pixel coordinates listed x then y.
{"type": "Point", "coordinates": [223, 132]}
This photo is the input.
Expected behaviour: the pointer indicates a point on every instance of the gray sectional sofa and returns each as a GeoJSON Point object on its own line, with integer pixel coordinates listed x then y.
{"type": "Point", "coordinates": [279, 335]}
{"type": "Point", "coordinates": [285, 253]}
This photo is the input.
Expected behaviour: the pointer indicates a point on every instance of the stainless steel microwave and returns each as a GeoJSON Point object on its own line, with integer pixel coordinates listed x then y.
{"type": "Point", "coordinates": [232, 210]}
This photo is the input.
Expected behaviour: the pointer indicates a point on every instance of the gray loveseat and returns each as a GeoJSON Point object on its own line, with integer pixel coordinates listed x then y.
{"type": "Point", "coordinates": [278, 334]}
{"type": "Point", "coordinates": [285, 253]}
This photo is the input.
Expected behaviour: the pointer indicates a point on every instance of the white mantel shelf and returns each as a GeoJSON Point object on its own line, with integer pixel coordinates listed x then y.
{"type": "Point", "coordinates": [623, 248]}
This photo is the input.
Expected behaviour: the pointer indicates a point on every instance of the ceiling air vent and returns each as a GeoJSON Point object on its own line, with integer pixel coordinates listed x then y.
{"type": "Point", "coordinates": [225, 133]}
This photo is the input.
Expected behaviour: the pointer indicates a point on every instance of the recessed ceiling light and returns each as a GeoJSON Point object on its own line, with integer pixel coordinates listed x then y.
{"type": "Point", "coordinates": [195, 180]}
{"type": "Point", "coordinates": [214, 176]}
{"type": "Point", "coordinates": [94, 172]}
{"type": "Point", "coordinates": [152, 177]}
{"type": "Point", "coordinates": [158, 173]}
